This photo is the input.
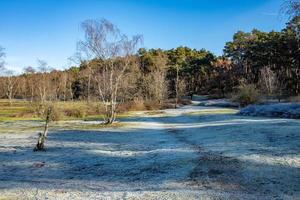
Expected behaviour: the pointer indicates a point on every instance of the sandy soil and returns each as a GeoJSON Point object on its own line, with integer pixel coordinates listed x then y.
{"type": "Point", "coordinates": [190, 153]}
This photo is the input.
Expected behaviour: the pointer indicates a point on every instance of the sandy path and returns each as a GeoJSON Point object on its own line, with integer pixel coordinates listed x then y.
{"type": "Point", "coordinates": [171, 155]}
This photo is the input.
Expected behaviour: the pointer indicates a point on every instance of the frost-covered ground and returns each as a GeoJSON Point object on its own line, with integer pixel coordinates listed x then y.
{"type": "Point", "coordinates": [190, 153]}
{"type": "Point", "coordinates": [284, 110]}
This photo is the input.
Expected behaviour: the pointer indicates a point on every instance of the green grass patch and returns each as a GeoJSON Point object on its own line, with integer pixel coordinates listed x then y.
{"type": "Point", "coordinates": [100, 117]}
{"type": "Point", "coordinates": [99, 126]}
{"type": "Point", "coordinates": [9, 118]}
{"type": "Point", "coordinates": [69, 125]}
{"type": "Point", "coordinates": [155, 112]}
{"type": "Point", "coordinates": [17, 110]}
{"type": "Point", "coordinates": [222, 111]}
{"type": "Point", "coordinates": [38, 126]}
{"type": "Point", "coordinates": [7, 198]}
{"type": "Point", "coordinates": [68, 110]}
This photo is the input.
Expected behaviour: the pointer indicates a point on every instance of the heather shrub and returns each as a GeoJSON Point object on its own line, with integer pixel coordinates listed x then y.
{"type": "Point", "coordinates": [246, 94]}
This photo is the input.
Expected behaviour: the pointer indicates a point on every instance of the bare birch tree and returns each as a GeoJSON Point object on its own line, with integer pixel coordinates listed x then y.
{"type": "Point", "coordinates": [104, 42]}
{"type": "Point", "coordinates": [30, 81]}
{"type": "Point", "coordinates": [2, 55]}
{"type": "Point", "coordinates": [63, 81]}
{"type": "Point", "coordinates": [45, 104]}
{"type": "Point", "coordinates": [177, 86]}
{"type": "Point", "coordinates": [268, 80]}
{"type": "Point", "coordinates": [10, 85]}
{"type": "Point", "coordinates": [43, 83]}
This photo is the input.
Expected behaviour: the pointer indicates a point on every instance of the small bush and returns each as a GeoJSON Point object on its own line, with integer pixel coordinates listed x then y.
{"type": "Point", "coordinates": [131, 106]}
{"type": "Point", "coordinates": [56, 114]}
{"type": "Point", "coordinates": [136, 105]}
{"type": "Point", "coordinates": [41, 111]}
{"type": "Point", "coordinates": [152, 105]}
{"type": "Point", "coordinates": [75, 112]}
{"type": "Point", "coordinates": [92, 108]}
{"type": "Point", "coordinates": [247, 94]}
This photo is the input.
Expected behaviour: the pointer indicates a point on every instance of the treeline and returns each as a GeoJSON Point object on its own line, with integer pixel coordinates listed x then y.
{"type": "Point", "coordinates": [268, 60]}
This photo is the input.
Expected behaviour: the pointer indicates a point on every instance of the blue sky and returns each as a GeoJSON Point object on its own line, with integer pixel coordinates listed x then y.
{"type": "Point", "coordinates": [49, 29]}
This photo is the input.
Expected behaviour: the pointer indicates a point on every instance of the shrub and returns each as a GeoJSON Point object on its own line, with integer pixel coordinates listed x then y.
{"type": "Point", "coordinates": [152, 105]}
{"type": "Point", "coordinates": [25, 114]}
{"type": "Point", "coordinates": [75, 112]}
{"type": "Point", "coordinates": [247, 94]}
{"type": "Point", "coordinates": [131, 106]}
{"type": "Point", "coordinates": [56, 114]}
{"type": "Point", "coordinates": [41, 111]}
{"type": "Point", "coordinates": [139, 105]}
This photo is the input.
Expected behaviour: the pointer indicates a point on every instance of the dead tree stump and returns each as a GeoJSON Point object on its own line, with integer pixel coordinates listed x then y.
{"type": "Point", "coordinates": [40, 146]}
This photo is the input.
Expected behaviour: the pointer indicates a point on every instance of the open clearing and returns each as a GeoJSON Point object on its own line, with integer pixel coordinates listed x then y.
{"type": "Point", "coordinates": [190, 153]}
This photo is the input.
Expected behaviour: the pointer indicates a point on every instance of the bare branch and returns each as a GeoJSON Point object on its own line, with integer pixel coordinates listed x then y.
{"type": "Point", "coordinates": [291, 8]}
{"type": "Point", "coordinates": [112, 51]}
{"type": "Point", "coordinates": [2, 55]}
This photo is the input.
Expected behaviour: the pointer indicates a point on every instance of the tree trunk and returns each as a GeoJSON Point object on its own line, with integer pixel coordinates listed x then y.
{"type": "Point", "coordinates": [89, 86]}
{"type": "Point", "coordinates": [111, 113]}
{"type": "Point", "coordinates": [176, 87]}
{"type": "Point", "coordinates": [43, 136]}
{"type": "Point", "coordinates": [10, 100]}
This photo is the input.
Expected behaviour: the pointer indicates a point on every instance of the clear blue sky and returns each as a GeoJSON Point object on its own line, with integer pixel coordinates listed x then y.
{"type": "Point", "coordinates": [49, 29]}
